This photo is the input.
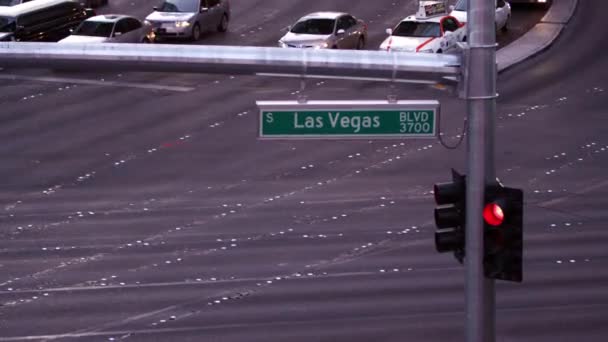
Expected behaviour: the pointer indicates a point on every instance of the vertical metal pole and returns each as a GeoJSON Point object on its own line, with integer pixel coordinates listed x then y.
{"type": "Point", "coordinates": [481, 103]}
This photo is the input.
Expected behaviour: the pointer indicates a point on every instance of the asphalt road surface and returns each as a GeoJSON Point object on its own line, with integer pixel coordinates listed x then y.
{"type": "Point", "coordinates": [141, 207]}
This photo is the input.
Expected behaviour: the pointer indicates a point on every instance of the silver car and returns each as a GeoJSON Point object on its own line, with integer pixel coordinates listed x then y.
{"type": "Point", "coordinates": [189, 18]}
{"type": "Point", "coordinates": [110, 28]}
{"type": "Point", "coordinates": [503, 13]}
{"type": "Point", "coordinates": [326, 30]}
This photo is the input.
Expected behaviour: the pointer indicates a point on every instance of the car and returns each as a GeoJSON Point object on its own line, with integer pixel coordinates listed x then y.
{"type": "Point", "coordinates": [187, 19]}
{"type": "Point", "coordinates": [326, 30]}
{"type": "Point", "coordinates": [534, 2]}
{"type": "Point", "coordinates": [41, 20]}
{"type": "Point", "coordinates": [111, 28]}
{"type": "Point", "coordinates": [430, 30]}
{"type": "Point", "coordinates": [503, 13]}
{"type": "Point", "coordinates": [86, 3]}
{"type": "Point", "coordinates": [12, 2]}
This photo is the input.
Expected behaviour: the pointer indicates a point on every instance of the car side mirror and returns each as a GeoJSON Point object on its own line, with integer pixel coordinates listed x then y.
{"type": "Point", "coordinates": [116, 34]}
{"type": "Point", "coordinates": [389, 31]}
{"type": "Point", "coordinates": [89, 12]}
{"type": "Point", "coordinates": [451, 7]}
{"type": "Point", "coordinates": [155, 8]}
{"type": "Point", "coordinates": [287, 28]}
{"type": "Point", "coordinates": [204, 9]}
{"type": "Point", "coordinates": [340, 32]}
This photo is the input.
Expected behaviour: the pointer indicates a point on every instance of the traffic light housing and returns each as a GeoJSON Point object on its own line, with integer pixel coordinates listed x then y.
{"type": "Point", "coordinates": [450, 215]}
{"type": "Point", "coordinates": [503, 233]}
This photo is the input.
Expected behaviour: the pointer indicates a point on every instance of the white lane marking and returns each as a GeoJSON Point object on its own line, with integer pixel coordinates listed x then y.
{"type": "Point", "coordinates": [130, 286]}
{"type": "Point", "coordinates": [562, 199]}
{"type": "Point", "coordinates": [71, 289]}
{"type": "Point", "coordinates": [97, 83]}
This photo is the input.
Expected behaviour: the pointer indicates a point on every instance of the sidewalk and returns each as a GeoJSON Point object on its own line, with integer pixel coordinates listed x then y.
{"type": "Point", "coordinates": [540, 37]}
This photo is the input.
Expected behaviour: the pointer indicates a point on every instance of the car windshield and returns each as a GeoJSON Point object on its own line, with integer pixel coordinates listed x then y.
{"type": "Point", "coordinates": [9, 2]}
{"type": "Point", "coordinates": [189, 6]}
{"type": "Point", "coordinates": [314, 26]}
{"type": "Point", "coordinates": [94, 28]}
{"type": "Point", "coordinates": [7, 24]}
{"type": "Point", "coordinates": [461, 5]}
{"type": "Point", "coordinates": [417, 29]}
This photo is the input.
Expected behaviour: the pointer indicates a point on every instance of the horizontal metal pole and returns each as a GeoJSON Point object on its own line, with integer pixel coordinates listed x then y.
{"type": "Point", "coordinates": [352, 78]}
{"type": "Point", "coordinates": [231, 60]}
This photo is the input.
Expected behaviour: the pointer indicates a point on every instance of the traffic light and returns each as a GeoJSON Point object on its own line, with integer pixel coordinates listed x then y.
{"type": "Point", "coordinates": [450, 215]}
{"type": "Point", "coordinates": [503, 233]}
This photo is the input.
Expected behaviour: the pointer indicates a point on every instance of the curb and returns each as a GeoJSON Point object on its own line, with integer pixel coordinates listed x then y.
{"type": "Point", "coordinates": [560, 14]}
{"type": "Point", "coordinates": [540, 37]}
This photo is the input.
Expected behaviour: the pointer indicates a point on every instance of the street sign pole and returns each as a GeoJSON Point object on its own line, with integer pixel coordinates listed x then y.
{"type": "Point", "coordinates": [480, 93]}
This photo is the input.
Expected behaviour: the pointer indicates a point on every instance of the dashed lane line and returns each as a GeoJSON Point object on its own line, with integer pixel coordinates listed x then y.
{"type": "Point", "coordinates": [555, 201]}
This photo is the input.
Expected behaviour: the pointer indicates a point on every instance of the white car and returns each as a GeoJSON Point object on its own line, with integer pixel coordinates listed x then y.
{"type": "Point", "coordinates": [326, 30]}
{"type": "Point", "coordinates": [433, 35]}
{"type": "Point", "coordinates": [110, 28]}
{"type": "Point", "coordinates": [503, 13]}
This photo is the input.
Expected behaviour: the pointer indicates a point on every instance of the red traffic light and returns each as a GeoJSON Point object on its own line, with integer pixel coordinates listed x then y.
{"type": "Point", "coordinates": [503, 233]}
{"type": "Point", "coordinates": [493, 214]}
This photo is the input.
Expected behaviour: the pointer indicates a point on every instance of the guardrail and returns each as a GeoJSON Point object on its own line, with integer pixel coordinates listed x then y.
{"type": "Point", "coordinates": [400, 66]}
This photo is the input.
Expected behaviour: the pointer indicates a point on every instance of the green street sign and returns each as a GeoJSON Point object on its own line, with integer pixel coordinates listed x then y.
{"type": "Point", "coordinates": [348, 119]}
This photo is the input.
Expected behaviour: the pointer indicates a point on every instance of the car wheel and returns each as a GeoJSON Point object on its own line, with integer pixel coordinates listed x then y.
{"type": "Point", "coordinates": [505, 28]}
{"type": "Point", "coordinates": [223, 25]}
{"type": "Point", "coordinates": [196, 32]}
{"type": "Point", "coordinates": [361, 43]}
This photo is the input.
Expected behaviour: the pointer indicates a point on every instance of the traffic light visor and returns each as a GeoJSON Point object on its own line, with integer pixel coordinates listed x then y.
{"type": "Point", "coordinates": [451, 192]}
{"type": "Point", "coordinates": [448, 216]}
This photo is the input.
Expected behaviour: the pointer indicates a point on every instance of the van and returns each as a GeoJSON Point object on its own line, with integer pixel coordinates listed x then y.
{"type": "Point", "coordinates": [189, 18]}
{"type": "Point", "coordinates": [86, 3]}
{"type": "Point", "coordinates": [41, 20]}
